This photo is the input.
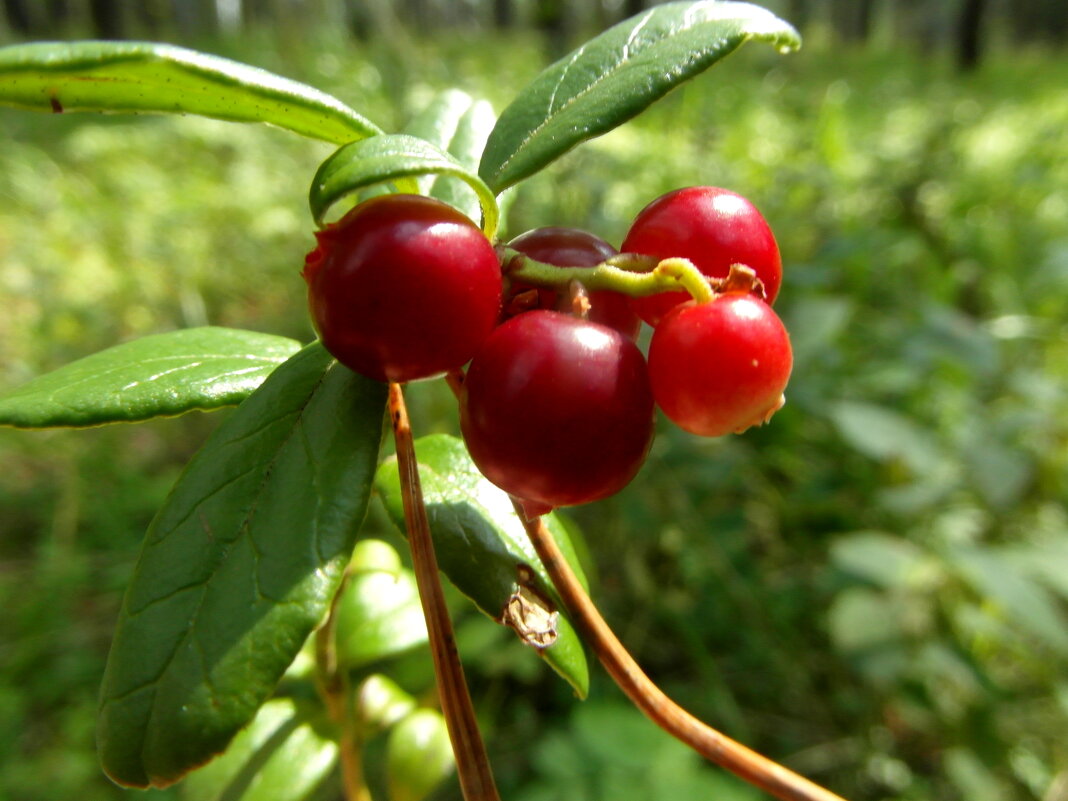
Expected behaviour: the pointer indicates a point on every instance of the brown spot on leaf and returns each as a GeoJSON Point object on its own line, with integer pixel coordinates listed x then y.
{"type": "Point", "coordinates": [529, 613]}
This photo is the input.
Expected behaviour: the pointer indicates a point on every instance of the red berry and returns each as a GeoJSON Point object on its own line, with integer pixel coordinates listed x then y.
{"type": "Point", "coordinates": [557, 410]}
{"type": "Point", "coordinates": [569, 247]}
{"type": "Point", "coordinates": [720, 366]}
{"type": "Point", "coordinates": [711, 227]}
{"type": "Point", "coordinates": [403, 287]}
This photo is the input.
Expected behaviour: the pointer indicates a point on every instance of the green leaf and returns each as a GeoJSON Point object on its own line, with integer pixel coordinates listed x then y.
{"type": "Point", "coordinates": [156, 376]}
{"type": "Point", "coordinates": [378, 615]}
{"type": "Point", "coordinates": [284, 755]}
{"type": "Point", "coordinates": [617, 75]}
{"type": "Point", "coordinates": [480, 542]}
{"type": "Point", "coordinates": [237, 568]}
{"type": "Point", "coordinates": [882, 559]}
{"type": "Point", "coordinates": [883, 434]}
{"type": "Point", "coordinates": [455, 122]}
{"type": "Point", "coordinates": [395, 158]}
{"type": "Point", "coordinates": [1024, 603]}
{"type": "Point", "coordinates": [419, 756]}
{"type": "Point", "coordinates": [148, 77]}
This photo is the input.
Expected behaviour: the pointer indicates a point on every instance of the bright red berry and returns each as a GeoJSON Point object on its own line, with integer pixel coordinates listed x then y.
{"type": "Point", "coordinates": [721, 366]}
{"type": "Point", "coordinates": [569, 247]}
{"type": "Point", "coordinates": [557, 410]}
{"type": "Point", "coordinates": [403, 287]}
{"type": "Point", "coordinates": [711, 227]}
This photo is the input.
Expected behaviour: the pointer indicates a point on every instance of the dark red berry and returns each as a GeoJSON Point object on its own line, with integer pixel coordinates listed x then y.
{"type": "Point", "coordinates": [720, 367]}
{"type": "Point", "coordinates": [711, 227]}
{"type": "Point", "coordinates": [403, 287]}
{"type": "Point", "coordinates": [557, 410]}
{"type": "Point", "coordinates": [569, 247]}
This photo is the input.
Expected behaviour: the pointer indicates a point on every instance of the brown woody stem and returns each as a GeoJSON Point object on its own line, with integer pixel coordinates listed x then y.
{"type": "Point", "coordinates": [650, 699]}
{"type": "Point", "coordinates": [472, 763]}
{"type": "Point", "coordinates": [333, 684]}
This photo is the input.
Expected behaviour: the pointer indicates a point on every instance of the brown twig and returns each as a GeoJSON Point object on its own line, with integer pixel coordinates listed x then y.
{"type": "Point", "coordinates": [472, 764]}
{"type": "Point", "coordinates": [650, 699]}
{"type": "Point", "coordinates": [333, 683]}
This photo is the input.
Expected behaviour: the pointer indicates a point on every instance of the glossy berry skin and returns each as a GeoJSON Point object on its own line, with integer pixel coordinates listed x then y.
{"type": "Point", "coordinates": [711, 227]}
{"type": "Point", "coordinates": [557, 410]}
{"type": "Point", "coordinates": [720, 367]}
{"type": "Point", "coordinates": [569, 247]}
{"type": "Point", "coordinates": [403, 287]}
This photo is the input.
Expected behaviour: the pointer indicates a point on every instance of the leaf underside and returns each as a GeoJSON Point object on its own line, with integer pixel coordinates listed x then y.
{"type": "Point", "coordinates": [237, 568]}
{"type": "Point", "coordinates": [398, 159]}
{"type": "Point", "coordinates": [615, 76]}
{"type": "Point", "coordinates": [480, 543]}
{"type": "Point", "coordinates": [156, 376]}
{"type": "Point", "coordinates": [146, 77]}
{"type": "Point", "coordinates": [460, 125]}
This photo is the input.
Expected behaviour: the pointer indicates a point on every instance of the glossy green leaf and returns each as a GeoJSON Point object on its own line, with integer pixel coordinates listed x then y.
{"type": "Point", "coordinates": [237, 568]}
{"type": "Point", "coordinates": [457, 123]}
{"type": "Point", "coordinates": [398, 159]}
{"type": "Point", "coordinates": [615, 76]}
{"type": "Point", "coordinates": [285, 754]}
{"type": "Point", "coordinates": [480, 542]}
{"type": "Point", "coordinates": [156, 376]}
{"type": "Point", "coordinates": [148, 77]}
{"type": "Point", "coordinates": [419, 756]}
{"type": "Point", "coordinates": [378, 615]}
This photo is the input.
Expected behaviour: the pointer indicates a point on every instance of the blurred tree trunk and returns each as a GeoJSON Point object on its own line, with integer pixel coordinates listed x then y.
{"type": "Point", "coordinates": [797, 13]}
{"type": "Point", "coordinates": [552, 20]}
{"type": "Point", "coordinates": [503, 14]}
{"type": "Point", "coordinates": [852, 19]}
{"type": "Point", "coordinates": [632, 8]}
{"type": "Point", "coordinates": [107, 19]}
{"type": "Point", "coordinates": [18, 16]}
{"type": "Point", "coordinates": [969, 41]}
{"type": "Point", "coordinates": [58, 13]}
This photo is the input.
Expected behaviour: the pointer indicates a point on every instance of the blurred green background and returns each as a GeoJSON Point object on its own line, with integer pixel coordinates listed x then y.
{"type": "Point", "coordinates": [871, 589]}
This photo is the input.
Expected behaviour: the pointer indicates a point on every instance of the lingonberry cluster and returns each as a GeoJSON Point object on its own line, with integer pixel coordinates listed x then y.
{"type": "Point", "coordinates": [557, 406]}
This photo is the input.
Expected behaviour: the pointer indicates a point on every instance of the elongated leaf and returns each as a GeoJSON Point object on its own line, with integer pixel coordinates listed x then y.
{"type": "Point", "coordinates": [156, 376]}
{"type": "Point", "coordinates": [615, 76]}
{"type": "Point", "coordinates": [148, 77]}
{"type": "Point", "coordinates": [284, 755]}
{"type": "Point", "coordinates": [396, 158]}
{"type": "Point", "coordinates": [455, 122]}
{"type": "Point", "coordinates": [480, 542]}
{"type": "Point", "coordinates": [237, 568]}
{"type": "Point", "coordinates": [1026, 604]}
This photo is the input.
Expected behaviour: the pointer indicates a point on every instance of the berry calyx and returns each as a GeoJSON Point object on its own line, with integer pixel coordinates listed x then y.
{"type": "Point", "coordinates": [569, 247]}
{"type": "Point", "coordinates": [712, 227]}
{"type": "Point", "coordinates": [557, 410]}
{"type": "Point", "coordinates": [403, 287]}
{"type": "Point", "coordinates": [721, 366]}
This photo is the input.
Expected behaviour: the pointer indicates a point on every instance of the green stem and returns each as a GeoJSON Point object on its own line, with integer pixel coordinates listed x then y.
{"type": "Point", "coordinates": [629, 274]}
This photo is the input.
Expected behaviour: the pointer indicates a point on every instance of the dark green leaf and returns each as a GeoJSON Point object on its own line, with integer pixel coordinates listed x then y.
{"type": "Point", "coordinates": [378, 614]}
{"type": "Point", "coordinates": [419, 756]}
{"type": "Point", "coordinates": [156, 376]}
{"type": "Point", "coordinates": [284, 755]}
{"type": "Point", "coordinates": [238, 567]}
{"type": "Point", "coordinates": [394, 158]}
{"type": "Point", "coordinates": [459, 124]}
{"type": "Point", "coordinates": [615, 76]}
{"type": "Point", "coordinates": [480, 542]}
{"type": "Point", "coordinates": [149, 77]}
